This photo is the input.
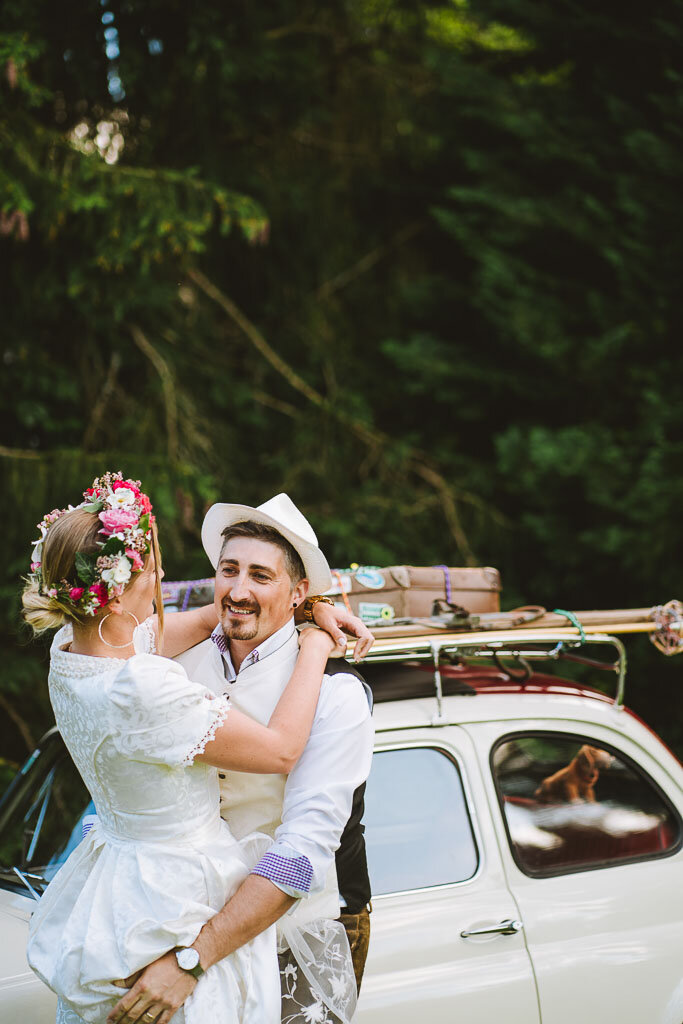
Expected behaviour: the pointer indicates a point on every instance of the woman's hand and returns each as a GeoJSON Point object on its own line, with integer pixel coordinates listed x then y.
{"type": "Point", "coordinates": [334, 619]}
{"type": "Point", "coordinates": [319, 639]}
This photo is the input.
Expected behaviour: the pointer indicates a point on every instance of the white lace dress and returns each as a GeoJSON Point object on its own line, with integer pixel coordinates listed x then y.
{"type": "Point", "coordinates": [159, 862]}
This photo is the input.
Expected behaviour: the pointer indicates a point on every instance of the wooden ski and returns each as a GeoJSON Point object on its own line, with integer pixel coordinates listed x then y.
{"type": "Point", "coordinates": [664, 623]}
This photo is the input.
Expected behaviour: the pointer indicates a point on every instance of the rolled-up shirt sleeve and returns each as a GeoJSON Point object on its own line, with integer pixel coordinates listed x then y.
{"type": "Point", "coordinates": [320, 788]}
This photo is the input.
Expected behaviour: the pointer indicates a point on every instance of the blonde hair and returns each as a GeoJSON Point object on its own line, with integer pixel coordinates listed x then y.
{"type": "Point", "coordinates": [75, 531]}
{"type": "Point", "coordinates": [156, 554]}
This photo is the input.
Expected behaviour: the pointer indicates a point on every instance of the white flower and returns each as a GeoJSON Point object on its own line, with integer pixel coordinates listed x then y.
{"type": "Point", "coordinates": [38, 544]}
{"type": "Point", "coordinates": [122, 497]}
{"type": "Point", "coordinates": [119, 572]}
{"type": "Point", "coordinates": [316, 1013]}
{"type": "Point", "coordinates": [339, 986]}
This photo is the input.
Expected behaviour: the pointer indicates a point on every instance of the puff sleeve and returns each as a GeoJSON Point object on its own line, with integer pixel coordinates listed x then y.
{"type": "Point", "coordinates": [159, 715]}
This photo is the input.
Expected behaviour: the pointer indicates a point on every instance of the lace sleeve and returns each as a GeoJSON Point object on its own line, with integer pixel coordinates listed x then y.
{"type": "Point", "coordinates": [221, 712]}
{"type": "Point", "coordinates": [159, 715]}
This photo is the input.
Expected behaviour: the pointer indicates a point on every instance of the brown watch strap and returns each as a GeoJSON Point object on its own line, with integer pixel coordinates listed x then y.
{"type": "Point", "coordinates": [310, 603]}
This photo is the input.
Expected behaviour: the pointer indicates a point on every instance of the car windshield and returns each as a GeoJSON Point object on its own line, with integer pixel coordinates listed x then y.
{"type": "Point", "coordinates": [42, 815]}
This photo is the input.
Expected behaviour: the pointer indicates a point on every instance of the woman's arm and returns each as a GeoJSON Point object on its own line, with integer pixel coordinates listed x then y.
{"type": "Point", "coordinates": [337, 621]}
{"type": "Point", "coordinates": [183, 630]}
{"type": "Point", "coordinates": [243, 745]}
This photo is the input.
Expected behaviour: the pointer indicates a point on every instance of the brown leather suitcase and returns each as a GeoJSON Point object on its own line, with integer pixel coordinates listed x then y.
{"type": "Point", "coordinates": [410, 591]}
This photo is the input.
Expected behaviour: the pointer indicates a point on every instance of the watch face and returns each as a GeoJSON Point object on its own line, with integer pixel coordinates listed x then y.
{"type": "Point", "coordinates": [187, 958]}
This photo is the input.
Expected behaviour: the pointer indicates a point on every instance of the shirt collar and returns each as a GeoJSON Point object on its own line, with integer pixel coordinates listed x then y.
{"type": "Point", "coordinates": [269, 646]}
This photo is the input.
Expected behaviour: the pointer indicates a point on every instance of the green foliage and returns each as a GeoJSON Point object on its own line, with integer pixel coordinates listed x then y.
{"type": "Point", "coordinates": [457, 227]}
{"type": "Point", "coordinates": [85, 567]}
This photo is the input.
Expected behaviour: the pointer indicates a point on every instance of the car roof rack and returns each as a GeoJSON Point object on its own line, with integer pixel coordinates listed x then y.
{"type": "Point", "coordinates": [522, 645]}
{"type": "Point", "coordinates": [664, 625]}
{"type": "Point", "coordinates": [534, 634]}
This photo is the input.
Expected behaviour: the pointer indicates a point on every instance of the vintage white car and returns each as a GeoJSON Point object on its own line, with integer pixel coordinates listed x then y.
{"type": "Point", "coordinates": [525, 843]}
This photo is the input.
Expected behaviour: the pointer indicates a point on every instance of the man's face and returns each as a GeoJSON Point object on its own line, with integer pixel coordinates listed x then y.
{"type": "Point", "coordinates": [254, 593]}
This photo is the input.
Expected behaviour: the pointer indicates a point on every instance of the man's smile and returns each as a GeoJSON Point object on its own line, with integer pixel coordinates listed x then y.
{"type": "Point", "coordinates": [235, 610]}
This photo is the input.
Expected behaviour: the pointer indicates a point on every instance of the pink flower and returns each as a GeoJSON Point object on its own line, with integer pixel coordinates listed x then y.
{"type": "Point", "coordinates": [135, 559]}
{"type": "Point", "coordinates": [128, 484]}
{"type": "Point", "coordinates": [115, 519]}
{"type": "Point", "coordinates": [35, 566]}
{"type": "Point", "coordinates": [101, 593]}
{"type": "Point", "coordinates": [144, 503]}
{"type": "Point", "coordinates": [76, 593]}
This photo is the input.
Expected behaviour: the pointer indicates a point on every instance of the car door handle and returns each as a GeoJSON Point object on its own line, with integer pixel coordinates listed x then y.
{"type": "Point", "coordinates": [508, 927]}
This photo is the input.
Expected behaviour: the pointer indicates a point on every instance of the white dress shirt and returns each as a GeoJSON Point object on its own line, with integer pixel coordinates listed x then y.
{"type": "Point", "coordinates": [319, 789]}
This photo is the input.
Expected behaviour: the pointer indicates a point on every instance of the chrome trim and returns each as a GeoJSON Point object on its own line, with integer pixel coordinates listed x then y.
{"type": "Point", "coordinates": [456, 758]}
{"type": "Point", "coordinates": [438, 718]}
{"type": "Point", "coordinates": [24, 879]}
{"type": "Point", "coordinates": [508, 927]}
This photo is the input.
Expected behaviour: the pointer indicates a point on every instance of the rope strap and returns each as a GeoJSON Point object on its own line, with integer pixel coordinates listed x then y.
{"type": "Point", "coordinates": [669, 620]}
{"type": "Point", "coordinates": [574, 621]}
{"type": "Point", "coordinates": [447, 581]}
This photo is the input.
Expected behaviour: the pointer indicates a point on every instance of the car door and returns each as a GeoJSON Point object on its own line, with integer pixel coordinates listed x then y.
{"type": "Point", "coordinates": [436, 872]}
{"type": "Point", "coordinates": [597, 875]}
{"type": "Point", "coordinates": [41, 822]}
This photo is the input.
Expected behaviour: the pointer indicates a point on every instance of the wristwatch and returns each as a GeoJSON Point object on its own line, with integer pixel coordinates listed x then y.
{"type": "Point", "coordinates": [311, 602]}
{"type": "Point", "coordinates": [188, 960]}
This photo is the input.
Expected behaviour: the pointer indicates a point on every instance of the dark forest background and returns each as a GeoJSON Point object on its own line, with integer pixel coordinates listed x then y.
{"type": "Point", "coordinates": [417, 264]}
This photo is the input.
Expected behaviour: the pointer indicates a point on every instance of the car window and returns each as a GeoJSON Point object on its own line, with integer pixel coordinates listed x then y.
{"type": "Point", "coordinates": [417, 825]}
{"type": "Point", "coordinates": [572, 803]}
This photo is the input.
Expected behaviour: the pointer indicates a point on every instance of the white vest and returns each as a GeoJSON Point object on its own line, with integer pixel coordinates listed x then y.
{"type": "Point", "coordinates": [251, 802]}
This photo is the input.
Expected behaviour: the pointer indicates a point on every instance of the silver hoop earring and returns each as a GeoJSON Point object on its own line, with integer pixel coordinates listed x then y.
{"type": "Point", "coordinates": [117, 646]}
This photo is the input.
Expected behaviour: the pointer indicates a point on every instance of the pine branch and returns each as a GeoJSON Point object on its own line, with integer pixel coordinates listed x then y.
{"type": "Point", "coordinates": [170, 402]}
{"type": "Point", "coordinates": [19, 453]}
{"type": "Point", "coordinates": [21, 725]}
{"type": "Point", "coordinates": [415, 461]}
{"type": "Point", "coordinates": [367, 262]}
{"type": "Point", "coordinates": [256, 338]}
{"type": "Point", "coordinates": [102, 400]}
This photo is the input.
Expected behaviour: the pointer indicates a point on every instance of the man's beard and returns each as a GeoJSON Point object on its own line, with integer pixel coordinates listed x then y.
{"type": "Point", "coordinates": [234, 628]}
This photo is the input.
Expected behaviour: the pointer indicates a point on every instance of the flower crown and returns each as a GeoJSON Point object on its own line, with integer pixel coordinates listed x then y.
{"type": "Point", "coordinates": [126, 517]}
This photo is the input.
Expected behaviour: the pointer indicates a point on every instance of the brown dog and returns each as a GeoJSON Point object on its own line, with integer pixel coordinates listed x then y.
{"type": "Point", "coordinates": [576, 782]}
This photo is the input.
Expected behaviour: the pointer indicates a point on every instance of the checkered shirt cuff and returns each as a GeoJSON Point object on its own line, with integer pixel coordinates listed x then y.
{"type": "Point", "coordinates": [291, 874]}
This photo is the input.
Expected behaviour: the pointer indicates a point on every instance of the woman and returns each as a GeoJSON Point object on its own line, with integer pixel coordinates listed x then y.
{"type": "Point", "coordinates": [147, 741]}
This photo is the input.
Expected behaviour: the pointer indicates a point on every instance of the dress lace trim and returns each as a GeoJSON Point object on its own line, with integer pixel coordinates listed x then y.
{"type": "Point", "coordinates": [66, 664]}
{"type": "Point", "coordinates": [147, 632]}
{"type": "Point", "coordinates": [222, 706]}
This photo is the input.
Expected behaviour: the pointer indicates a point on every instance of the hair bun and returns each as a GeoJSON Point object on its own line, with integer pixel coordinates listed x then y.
{"type": "Point", "coordinates": [40, 611]}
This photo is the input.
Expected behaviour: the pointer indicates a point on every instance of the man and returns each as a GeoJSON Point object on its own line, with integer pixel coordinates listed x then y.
{"type": "Point", "coordinates": [267, 559]}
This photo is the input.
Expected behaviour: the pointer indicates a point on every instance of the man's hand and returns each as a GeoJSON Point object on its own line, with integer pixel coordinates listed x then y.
{"type": "Point", "coordinates": [334, 620]}
{"type": "Point", "coordinates": [160, 990]}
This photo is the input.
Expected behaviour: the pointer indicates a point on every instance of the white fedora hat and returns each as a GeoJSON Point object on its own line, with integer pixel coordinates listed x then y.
{"type": "Point", "coordinates": [282, 514]}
